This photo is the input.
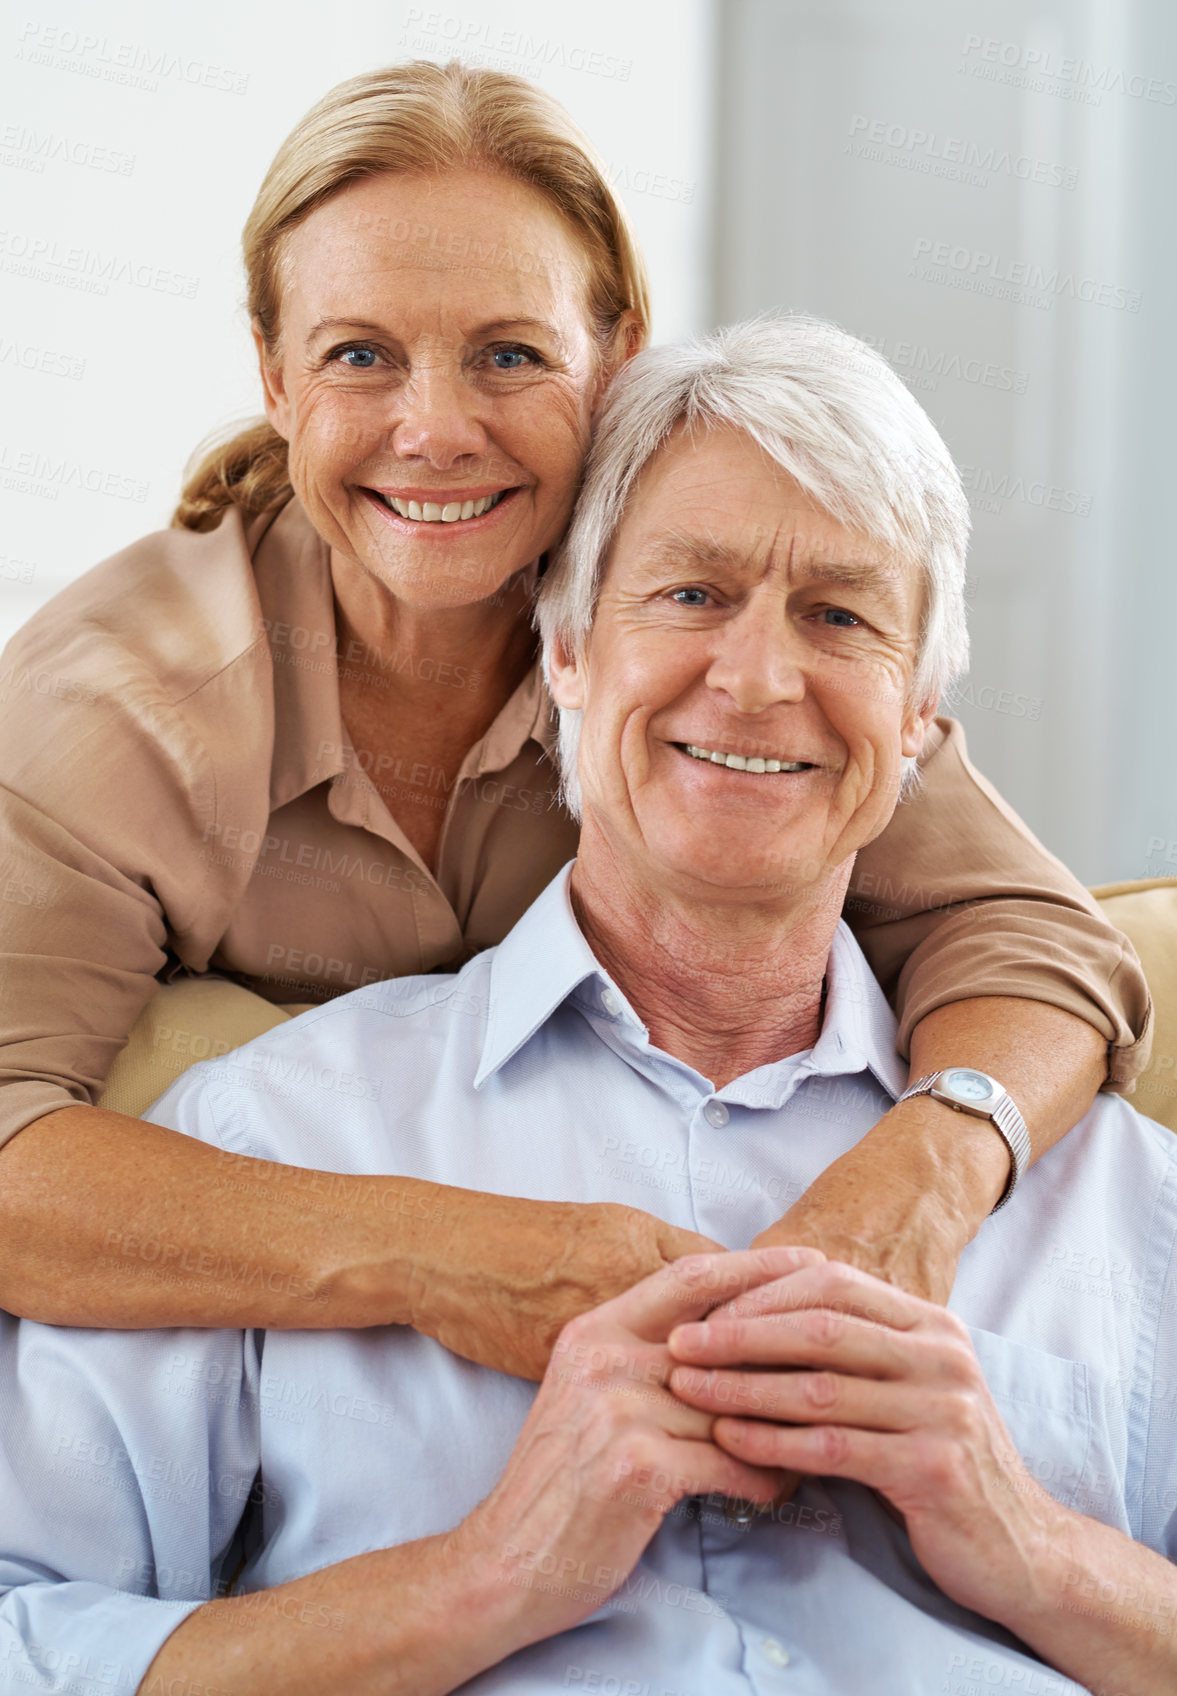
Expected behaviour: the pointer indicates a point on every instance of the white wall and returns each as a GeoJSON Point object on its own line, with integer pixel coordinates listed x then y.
{"type": "Point", "coordinates": [845, 127]}
{"type": "Point", "coordinates": [133, 138]}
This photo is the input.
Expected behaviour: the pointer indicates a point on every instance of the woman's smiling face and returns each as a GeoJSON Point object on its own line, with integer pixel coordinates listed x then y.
{"type": "Point", "coordinates": [436, 378]}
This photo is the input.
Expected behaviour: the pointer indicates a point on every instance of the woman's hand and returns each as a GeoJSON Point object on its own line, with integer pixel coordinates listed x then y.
{"type": "Point", "coordinates": [606, 1452]}
{"type": "Point", "coordinates": [893, 1205]}
{"type": "Point", "coordinates": [880, 1387]}
{"type": "Point", "coordinates": [500, 1282]}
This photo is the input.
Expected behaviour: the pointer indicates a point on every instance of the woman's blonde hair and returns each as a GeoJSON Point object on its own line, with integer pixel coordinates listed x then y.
{"type": "Point", "coordinates": [414, 117]}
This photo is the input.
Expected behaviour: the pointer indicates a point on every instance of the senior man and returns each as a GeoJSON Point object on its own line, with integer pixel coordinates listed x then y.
{"type": "Point", "coordinates": [760, 602]}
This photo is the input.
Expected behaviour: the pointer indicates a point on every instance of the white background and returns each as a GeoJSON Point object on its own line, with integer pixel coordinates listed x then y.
{"type": "Point", "coordinates": [769, 152]}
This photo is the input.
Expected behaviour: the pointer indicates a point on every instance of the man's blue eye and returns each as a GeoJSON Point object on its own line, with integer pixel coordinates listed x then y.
{"type": "Point", "coordinates": [359, 358]}
{"type": "Point", "coordinates": [700, 600]}
{"type": "Point", "coordinates": [840, 617]}
{"type": "Point", "coordinates": [510, 358]}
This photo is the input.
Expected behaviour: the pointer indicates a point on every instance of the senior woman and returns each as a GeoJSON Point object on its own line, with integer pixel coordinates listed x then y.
{"type": "Point", "coordinates": [305, 744]}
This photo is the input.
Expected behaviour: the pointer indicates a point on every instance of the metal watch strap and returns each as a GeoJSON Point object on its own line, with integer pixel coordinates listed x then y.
{"type": "Point", "coordinates": [1005, 1118]}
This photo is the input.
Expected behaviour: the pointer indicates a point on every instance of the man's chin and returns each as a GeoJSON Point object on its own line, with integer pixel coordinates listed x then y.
{"type": "Point", "coordinates": [735, 871]}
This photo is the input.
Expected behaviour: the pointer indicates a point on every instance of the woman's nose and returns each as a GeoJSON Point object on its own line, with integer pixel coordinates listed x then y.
{"type": "Point", "coordinates": [437, 420]}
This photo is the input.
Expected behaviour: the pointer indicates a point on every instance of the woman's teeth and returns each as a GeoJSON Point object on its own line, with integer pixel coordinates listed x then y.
{"type": "Point", "coordinates": [430, 512]}
{"type": "Point", "coordinates": [738, 762]}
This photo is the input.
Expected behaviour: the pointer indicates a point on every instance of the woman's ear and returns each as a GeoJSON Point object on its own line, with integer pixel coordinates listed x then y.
{"type": "Point", "coordinates": [567, 676]}
{"type": "Point", "coordinates": [915, 728]}
{"type": "Point", "coordinates": [273, 384]}
{"type": "Point", "coordinates": [628, 338]}
{"type": "Point", "coordinates": [631, 336]}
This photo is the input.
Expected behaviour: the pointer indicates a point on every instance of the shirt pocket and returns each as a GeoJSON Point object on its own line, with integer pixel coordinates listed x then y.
{"type": "Point", "coordinates": [1045, 1402]}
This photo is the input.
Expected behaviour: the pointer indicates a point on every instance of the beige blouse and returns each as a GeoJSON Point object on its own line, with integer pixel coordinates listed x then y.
{"type": "Point", "coordinates": [178, 792]}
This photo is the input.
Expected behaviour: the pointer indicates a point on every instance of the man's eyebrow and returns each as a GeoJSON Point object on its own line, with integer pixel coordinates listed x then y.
{"type": "Point", "coordinates": [849, 574]}
{"type": "Point", "coordinates": [675, 548]}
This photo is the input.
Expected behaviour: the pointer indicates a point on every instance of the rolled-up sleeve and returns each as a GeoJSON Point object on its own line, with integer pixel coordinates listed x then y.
{"type": "Point", "coordinates": [102, 796]}
{"type": "Point", "coordinates": [109, 781]}
{"type": "Point", "coordinates": [958, 899]}
{"type": "Point", "coordinates": [80, 945]}
{"type": "Point", "coordinates": [128, 1461]}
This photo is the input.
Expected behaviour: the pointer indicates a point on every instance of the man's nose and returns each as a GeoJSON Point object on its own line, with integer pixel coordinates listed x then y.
{"type": "Point", "coordinates": [759, 658]}
{"type": "Point", "coordinates": [437, 419]}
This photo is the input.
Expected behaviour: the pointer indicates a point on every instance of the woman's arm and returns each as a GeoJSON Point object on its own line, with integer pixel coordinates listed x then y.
{"type": "Point", "coordinates": [112, 1222]}
{"type": "Point", "coordinates": [905, 1201]}
{"type": "Point", "coordinates": [997, 959]}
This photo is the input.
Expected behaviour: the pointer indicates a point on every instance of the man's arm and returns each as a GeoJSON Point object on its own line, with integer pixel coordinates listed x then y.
{"type": "Point", "coordinates": [98, 1565]}
{"type": "Point", "coordinates": [604, 1455]}
{"type": "Point", "coordinates": [369, 1626]}
{"type": "Point", "coordinates": [885, 1389]}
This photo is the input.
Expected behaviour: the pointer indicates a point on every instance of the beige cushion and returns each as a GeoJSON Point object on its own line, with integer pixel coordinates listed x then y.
{"type": "Point", "coordinates": [189, 1020]}
{"type": "Point", "coordinates": [1146, 912]}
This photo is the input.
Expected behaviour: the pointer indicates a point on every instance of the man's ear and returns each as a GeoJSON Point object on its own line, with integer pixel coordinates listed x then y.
{"type": "Point", "coordinates": [567, 677]}
{"type": "Point", "coordinates": [915, 728]}
{"type": "Point", "coordinates": [273, 385]}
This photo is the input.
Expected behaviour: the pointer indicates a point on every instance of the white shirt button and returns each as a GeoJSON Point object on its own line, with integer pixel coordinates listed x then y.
{"type": "Point", "coordinates": [610, 1001]}
{"type": "Point", "coordinates": [716, 1114]}
{"type": "Point", "coordinates": [775, 1652]}
{"type": "Point", "coordinates": [738, 1513]}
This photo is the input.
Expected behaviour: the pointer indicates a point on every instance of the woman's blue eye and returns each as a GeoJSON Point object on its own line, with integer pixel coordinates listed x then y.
{"type": "Point", "coordinates": [839, 617]}
{"type": "Point", "coordinates": [680, 594]}
{"type": "Point", "coordinates": [511, 358]}
{"type": "Point", "coordinates": [359, 358]}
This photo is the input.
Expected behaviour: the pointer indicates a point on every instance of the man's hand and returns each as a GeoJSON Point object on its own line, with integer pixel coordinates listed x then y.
{"type": "Point", "coordinates": [881, 1387]}
{"type": "Point", "coordinates": [606, 1453]}
{"type": "Point", "coordinates": [506, 1275]}
{"type": "Point", "coordinates": [889, 1205]}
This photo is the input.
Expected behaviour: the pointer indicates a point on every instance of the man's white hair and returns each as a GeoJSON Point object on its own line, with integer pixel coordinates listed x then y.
{"type": "Point", "coordinates": [830, 412]}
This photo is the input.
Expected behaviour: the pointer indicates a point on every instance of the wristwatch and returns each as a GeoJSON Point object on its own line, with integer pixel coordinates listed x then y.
{"type": "Point", "coordinates": [979, 1094]}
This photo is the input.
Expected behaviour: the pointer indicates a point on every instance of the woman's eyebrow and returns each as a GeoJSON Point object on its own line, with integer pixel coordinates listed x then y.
{"type": "Point", "coordinates": [323, 324]}
{"type": "Point", "coordinates": [496, 326]}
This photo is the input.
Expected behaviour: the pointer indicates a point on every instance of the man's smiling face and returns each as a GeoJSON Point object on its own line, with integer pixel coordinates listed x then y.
{"type": "Point", "coordinates": [746, 685]}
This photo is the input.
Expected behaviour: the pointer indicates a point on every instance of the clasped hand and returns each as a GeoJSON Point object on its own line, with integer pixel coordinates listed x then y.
{"type": "Point", "coordinates": [668, 1391]}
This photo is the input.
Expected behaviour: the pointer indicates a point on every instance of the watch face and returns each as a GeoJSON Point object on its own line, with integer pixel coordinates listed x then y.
{"type": "Point", "coordinates": [966, 1085]}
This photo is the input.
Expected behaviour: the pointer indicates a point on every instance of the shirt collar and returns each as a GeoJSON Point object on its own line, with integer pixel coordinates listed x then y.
{"type": "Point", "coordinates": [545, 958]}
{"type": "Point", "coordinates": [292, 569]}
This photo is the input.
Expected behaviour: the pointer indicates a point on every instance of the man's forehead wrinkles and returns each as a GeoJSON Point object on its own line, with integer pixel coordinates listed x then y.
{"type": "Point", "coordinates": [770, 551]}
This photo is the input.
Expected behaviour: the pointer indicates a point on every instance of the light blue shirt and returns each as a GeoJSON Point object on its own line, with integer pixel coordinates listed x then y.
{"type": "Point", "coordinates": [137, 1468]}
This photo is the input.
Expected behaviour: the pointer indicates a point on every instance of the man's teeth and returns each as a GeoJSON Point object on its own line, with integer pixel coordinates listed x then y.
{"type": "Point", "coordinates": [738, 762]}
{"type": "Point", "coordinates": [429, 512]}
